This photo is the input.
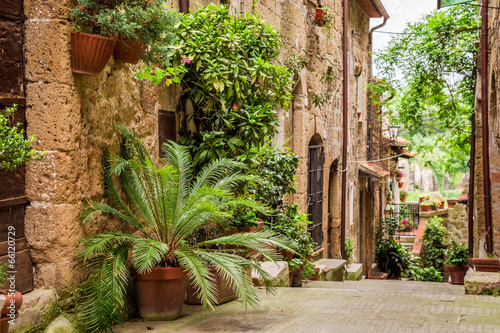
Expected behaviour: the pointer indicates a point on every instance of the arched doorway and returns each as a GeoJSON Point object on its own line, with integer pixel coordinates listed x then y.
{"type": "Point", "coordinates": [315, 163]}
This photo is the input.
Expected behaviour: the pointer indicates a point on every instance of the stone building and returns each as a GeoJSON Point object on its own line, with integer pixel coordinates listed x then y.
{"type": "Point", "coordinates": [493, 93]}
{"type": "Point", "coordinates": [72, 117]}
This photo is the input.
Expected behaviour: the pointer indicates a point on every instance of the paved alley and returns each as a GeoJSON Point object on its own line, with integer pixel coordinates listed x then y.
{"type": "Point", "coordinates": [351, 306]}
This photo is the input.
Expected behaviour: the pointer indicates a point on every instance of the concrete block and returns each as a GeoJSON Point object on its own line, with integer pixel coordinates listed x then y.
{"type": "Point", "coordinates": [478, 283]}
{"type": "Point", "coordinates": [278, 272]}
{"type": "Point", "coordinates": [333, 269]}
{"type": "Point", "coordinates": [354, 272]}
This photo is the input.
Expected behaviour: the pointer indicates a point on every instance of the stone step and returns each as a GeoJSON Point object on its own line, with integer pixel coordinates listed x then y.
{"type": "Point", "coordinates": [479, 283]}
{"type": "Point", "coordinates": [331, 269]}
{"type": "Point", "coordinates": [354, 272]}
{"type": "Point", "coordinates": [407, 239]}
{"type": "Point", "coordinates": [278, 272]}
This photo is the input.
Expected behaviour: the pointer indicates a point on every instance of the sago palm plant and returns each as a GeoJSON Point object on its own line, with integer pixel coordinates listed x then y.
{"type": "Point", "coordinates": [167, 205]}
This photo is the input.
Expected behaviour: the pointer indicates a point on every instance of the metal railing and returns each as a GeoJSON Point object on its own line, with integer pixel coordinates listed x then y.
{"type": "Point", "coordinates": [408, 215]}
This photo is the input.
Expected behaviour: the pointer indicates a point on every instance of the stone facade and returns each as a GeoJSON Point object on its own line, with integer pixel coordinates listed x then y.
{"type": "Point", "coordinates": [494, 143]}
{"type": "Point", "coordinates": [73, 116]}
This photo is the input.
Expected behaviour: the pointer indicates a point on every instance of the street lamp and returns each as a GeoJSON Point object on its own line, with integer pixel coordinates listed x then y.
{"type": "Point", "coordinates": [393, 131]}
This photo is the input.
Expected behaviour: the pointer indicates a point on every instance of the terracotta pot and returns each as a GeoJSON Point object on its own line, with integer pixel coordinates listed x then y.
{"type": "Point", "coordinates": [420, 200]}
{"type": "Point", "coordinates": [160, 293]}
{"type": "Point", "coordinates": [457, 273]}
{"type": "Point", "coordinates": [320, 14]}
{"type": "Point", "coordinates": [401, 184]}
{"type": "Point", "coordinates": [9, 309]}
{"type": "Point", "coordinates": [315, 277]}
{"type": "Point", "coordinates": [259, 226]}
{"type": "Point", "coordinates": [295, 278]}
{"type": "Point", "coordinates": [224, 291]}
{"type": "Point", "coordinates": [128, 51]}
{"type": "Point", "coordinates": [17, 299]}
{"type": "Point", "coordinates": [90, 53]}
{"type": "Point", "coordinates": [399, 179]}
{"type": "Point", "coordinates": [486, 264]}
{"type": "Point", "coordinates": [426, 208]}
{"type": "Point", "coordinates": [452, 203]}
{"type": "Point", "coordinates": [441, 205]}
{"type": "Point", "coordinates": [403, 199]}
{"type": "Point", "coordinates": [287, 254]}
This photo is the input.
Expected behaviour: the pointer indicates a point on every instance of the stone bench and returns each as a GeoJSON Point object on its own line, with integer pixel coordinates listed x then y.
{"type": "Point", "coordinates": [331, 269]}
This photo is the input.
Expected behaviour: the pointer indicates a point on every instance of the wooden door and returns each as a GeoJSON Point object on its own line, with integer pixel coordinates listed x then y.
{"type": "Point", "coordinates": [13, 244]}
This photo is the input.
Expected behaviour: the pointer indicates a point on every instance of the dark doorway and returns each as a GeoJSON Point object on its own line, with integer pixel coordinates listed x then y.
{"type": "Point", "coordinates": [315, 161]}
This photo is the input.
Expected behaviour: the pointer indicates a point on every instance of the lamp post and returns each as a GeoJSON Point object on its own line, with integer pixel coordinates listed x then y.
{"type": "Point", "coordinates": [393, 131]}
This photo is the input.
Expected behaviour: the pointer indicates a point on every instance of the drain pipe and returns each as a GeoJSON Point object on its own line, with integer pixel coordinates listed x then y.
{"type": "Point", "coordinates": [484, 125]}
{"type": "Point", "coordinates": [370, 146]}
{"type": "Point", "coordinates": [472, 167]}
{"type": "Point", "coordinates": [184, 6]}
{"type": "Point", "coordinates": [345, 101]}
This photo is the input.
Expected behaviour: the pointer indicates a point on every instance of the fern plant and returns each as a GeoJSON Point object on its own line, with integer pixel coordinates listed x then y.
{"type": "Point", "coordinates": [168, 205]}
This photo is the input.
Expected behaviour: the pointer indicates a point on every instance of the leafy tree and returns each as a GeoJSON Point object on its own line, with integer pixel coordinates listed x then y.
{"type": "Point", "coordinates": [432, 65]}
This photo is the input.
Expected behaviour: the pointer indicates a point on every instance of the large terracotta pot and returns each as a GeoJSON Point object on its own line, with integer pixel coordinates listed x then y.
{"type": "Point", "coordinates": [295, 278]}
{"type": "Point", "coordinates": [403, 199]}
{"type": "Point", "coordinates": [485, 264]}
{"type": "Point", "coordinates": [128, 51]}
{"type": "Point", "coordinates": [224, 291]}
{"type": "Point", "coordinates": [457, 274]}
{"type": "Point", "coordinates": [160, 293]}
{"type": "Point", "coordinates": [90, 53]}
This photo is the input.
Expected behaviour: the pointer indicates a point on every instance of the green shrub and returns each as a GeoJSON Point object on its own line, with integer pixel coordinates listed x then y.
{"type": "Point", "coordinates": [349, 247]}
{"type": "Point", "coordinates": [458, 255]}
{"type": "Point", "coordinates": [391, 256]}
{"type": "Point", "coordinates": [15, 150]}
{"type": "Point", "coordinates": [429, 274]}
{"type": "Point", "coordinates": [433, 247]}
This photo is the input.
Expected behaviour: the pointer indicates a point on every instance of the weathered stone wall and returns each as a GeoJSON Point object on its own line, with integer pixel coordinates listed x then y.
{"type": "Point", "coordinates": [73, 118]}
{"type": "Point", "coordinates": [494, 143]}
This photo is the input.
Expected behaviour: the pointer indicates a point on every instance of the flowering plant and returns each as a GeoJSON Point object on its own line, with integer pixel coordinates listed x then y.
{"type": "Point", "coordinates": [399, 173]}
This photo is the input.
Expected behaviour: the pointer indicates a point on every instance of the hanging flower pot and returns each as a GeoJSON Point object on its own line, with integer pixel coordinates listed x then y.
{"type": "Point", "coordinates": [90, 53]}
{"type": "Point", "coordinates": [128, 51]}
{"type": "Point", "coordinates": [320, 14]}
{"type": "Point", "coordinates": [401, 184]}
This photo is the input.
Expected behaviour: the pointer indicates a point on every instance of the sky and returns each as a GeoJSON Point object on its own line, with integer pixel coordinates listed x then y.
{"type": "Point", "coordinates": [400, 12]}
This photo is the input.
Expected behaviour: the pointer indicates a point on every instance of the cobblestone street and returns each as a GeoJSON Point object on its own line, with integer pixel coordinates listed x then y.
{"type": "Point", "coordinates": [351, 306]}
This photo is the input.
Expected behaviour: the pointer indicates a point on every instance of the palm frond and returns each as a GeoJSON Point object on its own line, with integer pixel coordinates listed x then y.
{"type": "Point", "coordinates": [199, 275]}
{"type": "Point", "coordinates": [147, 253]}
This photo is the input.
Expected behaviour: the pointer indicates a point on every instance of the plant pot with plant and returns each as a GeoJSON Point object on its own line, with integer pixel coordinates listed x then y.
{"type": "Point", "coordinates": [166, 206]}
{"type": "Point", "coordinates": [451, 203]}
{"type": "Point", "coordinates": [399, 175]}
{"type": "Point", "coordinates": [403, 195]}
{"type": "Point", "coordinates": [458, 256]}
{"type": "Point", "coordinates": [126, 27]}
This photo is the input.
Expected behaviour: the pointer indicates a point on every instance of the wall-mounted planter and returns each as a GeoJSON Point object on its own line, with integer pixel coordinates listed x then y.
{"type": "Point", "coordinates": [128, 51]}
{"type": "Point", "coordinates": [90, 53]}
{"type": "Point", "coordinates": [320, 15]}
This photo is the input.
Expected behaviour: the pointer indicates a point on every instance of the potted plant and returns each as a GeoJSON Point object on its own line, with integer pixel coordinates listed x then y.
{"type": "Point", "coordinates": [166, 206]}
{"type": "Point", "coordinates": [488, 264]}
{"type": "Point", "coordinates": [441, 204]}
{"type": "Point", "coordinates": [405, 226]}
{"type": "Point", "coordinates": [426, 206]}
{"type": "Point", "coordinates": [458, 256]}
{"type": "Point", "coordinates": [451, 203]}
{"type": "Point", "coordinates": [401, 184]}
{"type": "Point", "coordinates": [403, 195]}
{"type": "Point", "coordinates": [10, 300]}
{"type": "Point", "coordinates": [424, 197]}
{"type": "Point", "coordinates": [399, 175]}
{"type": "Point", "coordinates": [126, 27]}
